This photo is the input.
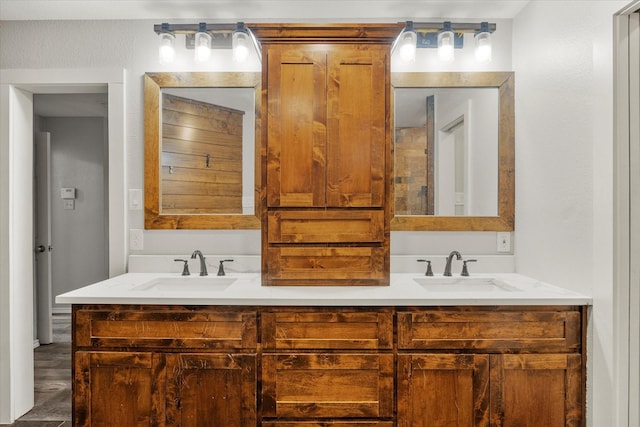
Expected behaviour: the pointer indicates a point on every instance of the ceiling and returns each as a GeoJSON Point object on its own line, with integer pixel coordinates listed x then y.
{"type": "Point", "coordinates": [260, 10]}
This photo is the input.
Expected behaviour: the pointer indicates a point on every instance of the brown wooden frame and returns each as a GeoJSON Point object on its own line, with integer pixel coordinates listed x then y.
{"type": "Point", "coordinates": [504, 82]}
{"type": "Point", "coordinates": [153, 83]}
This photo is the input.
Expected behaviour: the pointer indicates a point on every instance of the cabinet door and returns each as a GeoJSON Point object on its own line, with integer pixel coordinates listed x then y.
{"type": "Point", "coordinates": [296, 126]}
{"type": "Point", "coordinates": [113, 389]}
{"type": "Point", "coordinates": [327, 385]}
{"type": "Point", "coordinates": [356, 127]}
{"type": "Point", "coordinates": [443, 390]}
{"type": "Point", "coordinates": [210, 390]}
{"type": "Point", "coordinates": [533, 390]}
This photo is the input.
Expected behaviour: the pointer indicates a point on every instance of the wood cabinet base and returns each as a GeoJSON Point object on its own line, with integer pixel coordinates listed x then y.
{"type": "Point", "coordinates": [328, 366]}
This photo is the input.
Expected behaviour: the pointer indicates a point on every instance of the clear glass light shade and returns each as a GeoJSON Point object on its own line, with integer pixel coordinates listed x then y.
{"type": "Point", "coordinates": [407, 46]}
{"type": "Point", "coordinates": [240, 45]}
{"type": "Point", "coordinates": [445, 46]}
{"type": "Point", "coordinates": [483, 47]}
{"type": "Point", "coordinates": [202, 47]}
{"type": "Point", "coordinates": [166, 48]}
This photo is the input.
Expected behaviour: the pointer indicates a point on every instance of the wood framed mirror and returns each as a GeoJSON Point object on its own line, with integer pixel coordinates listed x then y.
{"type": "Point", "coordinates": [444, 182]}
{"type": "Point", "coordinates": [202, 149]}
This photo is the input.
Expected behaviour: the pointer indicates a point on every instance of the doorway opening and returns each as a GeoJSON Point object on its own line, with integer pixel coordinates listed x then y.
{"type": "Point", "coordinates": [71, 177]}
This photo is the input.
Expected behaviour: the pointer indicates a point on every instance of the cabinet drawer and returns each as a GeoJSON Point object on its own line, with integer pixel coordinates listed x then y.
{"type": "Point", "coordinates": [335, 385]}
{"type": "Point", "coordinates": [335, 329]}
{"type": "Point", "coordinates": [320, 265]}
{"type": "Point", "coordinates": [327, 424]}
{"type": "Point", "coordinates": [170, 327]}
{"type": "Point", "coordinates": [326, 226]}
{"type": "Point", "coordinates": [490, 330]}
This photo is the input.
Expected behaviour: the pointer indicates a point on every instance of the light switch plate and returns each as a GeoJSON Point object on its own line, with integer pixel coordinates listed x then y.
{"type": "Point", "coordinates": [136, 239]}
{"type": "Point", "coordinates": [135, 199]}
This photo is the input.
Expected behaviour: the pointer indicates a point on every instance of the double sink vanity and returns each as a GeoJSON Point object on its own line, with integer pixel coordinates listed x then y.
{"type": "Point", "coordinates": [322, 333]}
{"type": "Point", "coordinates": [161, 349]}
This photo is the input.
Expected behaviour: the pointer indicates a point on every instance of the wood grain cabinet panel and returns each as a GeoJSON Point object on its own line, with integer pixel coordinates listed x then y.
{"type": "Point", "coordinates": [327, 424]}
{"type": "Point", "coordinates": [114, 389]}
{"type": "Point", "coordinates": [331, 329]}
{"type": "Point", "coordinates": [532, 390]}
{"type": "Point", "coordinates": [296, 126]}
{"type": "Point", "coordinates": [443, 390]}
{"type": "Point", "coordinates": [322, 265]}
{"type": "Point", "coordinates": [327, 385]}
{"type": "Point", "coordinates": [210, 390]}
{"type": "Point", "coordinates": [154, 327]}
{"type": "Point", "coordinates": [341, 226]}
{"type": "Point", "coordinates": [491, 329]}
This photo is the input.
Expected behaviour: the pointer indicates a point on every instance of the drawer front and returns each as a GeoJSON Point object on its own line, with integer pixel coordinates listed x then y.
{"type": "Point", "coordinates": [490, 330]}
{"type": "Point", "coordinates": [327, 424]}
{"type": "Point", "coordinates": [313, 265]}
{"type": "Point", "coordinates": [334, 329]}
{"type": "Point", "coordinates": [336, 385]}
{"type": "Point", "coordinates": [343, 226]}
{"type": "Point", "coordinates": [155, 327]}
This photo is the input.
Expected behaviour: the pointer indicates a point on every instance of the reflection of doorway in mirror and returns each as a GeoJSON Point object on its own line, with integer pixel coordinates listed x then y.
{"type": "Point", "coordinates": [451, 188]}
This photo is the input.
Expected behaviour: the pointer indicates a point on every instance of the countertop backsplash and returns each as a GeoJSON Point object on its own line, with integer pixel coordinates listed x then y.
{"type": "Point", "coordinates": [251, 263]}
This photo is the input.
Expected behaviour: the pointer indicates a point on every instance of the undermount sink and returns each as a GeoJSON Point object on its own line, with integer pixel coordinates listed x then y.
{"type": "Point", "coordinates": [186, 284]}
{"type": "Point", "coordinates": [464, 284]}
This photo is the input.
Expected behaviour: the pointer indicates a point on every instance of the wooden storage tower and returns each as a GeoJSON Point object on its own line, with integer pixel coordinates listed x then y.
{"type": "Point", "coordinates": [326, 154]}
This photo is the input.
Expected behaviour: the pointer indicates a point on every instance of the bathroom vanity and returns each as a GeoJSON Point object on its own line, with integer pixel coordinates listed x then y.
{"type": "Point", "coordinates": [165, 350]}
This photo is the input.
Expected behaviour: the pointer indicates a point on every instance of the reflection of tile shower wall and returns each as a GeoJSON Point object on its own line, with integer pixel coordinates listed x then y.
{"type": "Point", "coordinates": [201, 157]}
{"type": "Point", "coordinates": [411, 172]}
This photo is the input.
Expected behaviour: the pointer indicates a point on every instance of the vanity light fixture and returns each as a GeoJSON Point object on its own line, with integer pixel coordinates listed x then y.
{"type": "Point", "coordinates": [483, 44]}
{"type": "Point", "coordinates": [444, 36]}
{"type": "Point", "coordinates": [407, 42]}
{"type": "Point", "coordinates": [240, 42]}
{"type": "Point", "coordinates": [203, 37]}
{"type": "Point", "coordinates": [166, 45]}
{"type": "Point", "coordinates": [446, 43]}
{"type": "Point", "coordinates": [202, 44]}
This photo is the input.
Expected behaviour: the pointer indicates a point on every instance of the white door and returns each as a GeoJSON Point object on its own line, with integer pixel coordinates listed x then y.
{"type": "Point", "coordinates": [42, 237]}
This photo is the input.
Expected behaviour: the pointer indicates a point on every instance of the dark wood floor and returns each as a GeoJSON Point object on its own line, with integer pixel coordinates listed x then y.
{"type": "Point", "coordinates": [52, 380]}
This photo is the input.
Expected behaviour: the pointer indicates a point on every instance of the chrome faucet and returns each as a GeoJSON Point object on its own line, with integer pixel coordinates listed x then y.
{"type": "Point", "coordinates": [203, 265]}
{"type": "Point", "coordinates": [447, 267]}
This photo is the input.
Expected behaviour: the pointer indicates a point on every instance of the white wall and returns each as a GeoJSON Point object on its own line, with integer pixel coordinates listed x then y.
{"type": "Point", "coordinates": [564, 144]}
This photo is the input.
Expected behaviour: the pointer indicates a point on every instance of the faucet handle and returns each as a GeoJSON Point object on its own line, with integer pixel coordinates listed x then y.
{"type": "Point", "coordinates": [221, 267]}
{"type": "Point", "coordinates": [465, 272]}
{"type": "Point", "coordinates": [185, 268]}
{"type": "Point", "coordinates": [429, 272]}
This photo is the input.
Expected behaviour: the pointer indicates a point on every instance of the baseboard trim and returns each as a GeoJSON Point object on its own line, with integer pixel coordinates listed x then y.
{"type": "Point", "coordinates": [36, 343]}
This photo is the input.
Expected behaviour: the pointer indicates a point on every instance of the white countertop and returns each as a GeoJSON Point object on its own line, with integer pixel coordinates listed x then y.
{"type": "Point", "coordinates": [246, 289]}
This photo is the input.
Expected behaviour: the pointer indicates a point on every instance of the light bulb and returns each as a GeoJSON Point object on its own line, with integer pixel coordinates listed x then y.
{"type": "Point", "coordinates": [166, 48]}
{"type": "Point", "coordinates": [240, 46]}
{"type": "Point", "coordinates": [445, 46]}
{"type": "Point", "coordinates": [483, 47]}
{"type": "Point", "coordinates": [408, 41]}
{"type": "Point", "coordinates": [202, 47]}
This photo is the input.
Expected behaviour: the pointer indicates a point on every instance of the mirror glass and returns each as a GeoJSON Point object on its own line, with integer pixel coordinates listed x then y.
{"type": "Point", "coordinates": [446, 151]}
{"type": "Point", "coordinates": [201, 136]}
{"type": "Point", "coordinates": [453, 151]}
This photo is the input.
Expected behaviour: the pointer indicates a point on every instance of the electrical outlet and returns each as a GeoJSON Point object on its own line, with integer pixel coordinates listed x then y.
{"type": "Point", "coordinates": [136, 239]}
{"type": "Point", "coordinates": [503, 242]}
